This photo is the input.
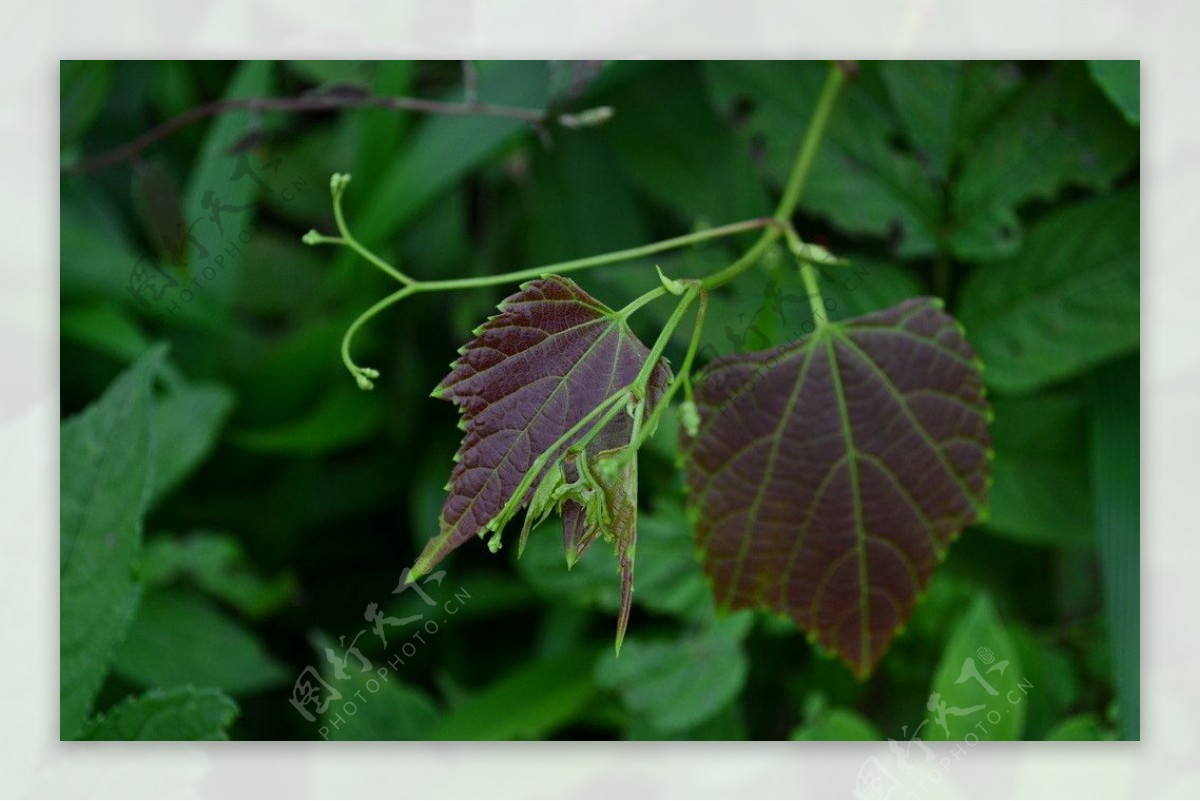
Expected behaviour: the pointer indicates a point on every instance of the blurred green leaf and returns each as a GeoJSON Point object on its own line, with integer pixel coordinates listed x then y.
{"type": "Point", "coordinates": [291, 375]}
{"type": "Point", "coordinates": [1080, 727]}
{"type": "Point", "coordinates": [384, 709]}
{"type": "Point", "coordinates": [727, 724]}
{"type": "Point", "coordinates": [301, 181]}
{"type": "Point", "coordinates": [704, 175]}
{"type": "Point", "coordinates": [591, 582]}
{"type": "Point", "coordinates": [980, 686]}
{"type": "Point", "coordinates": [320, 71]}
{"type": "Point", "coordinates": [343, 416]}
{"type": "Point", "coordinates": [83, 87]}
{"type": "Point", "coordinates": [1041, 490]}
{"type": "Point", "coordinates": [377, 133]}
{"type": "Point", "coordinates": [106, 472]}
{"type": "Point", "coordinates": [859, 181]}
{"type": "Point", "coordinates": [668, 577]}
{"type": "Point", "coordinates": [215, 563]}
{"type": "Point", "coordinates": [443, 149]}
{"type": "Point", "coordinates": [564, 222]}
{"type": "Point", "coordinates": [1115, 424]}
{"type": "Point", "coordinates": [1121, 81]}
{"type": "Point", "coordinates": [1056, 682]}
{"type": "Point", "coordinates": [836, 724]}
{"type": "Point", "coordinates": [1058, 131]}
{"type": "Point", "coordinates": [532, 701]}
{"type": "Point", "coordinates": [1069, 301]}
{"type": "Point", "coordinates": [174, 88]}
{"type": "Point", "coordinates": [281, 276]}
{"type": "Point", "coordinates": [217, 187]}
{"type": "Point", "coordinates": [941, 104]}
{"type": "Point", "coordinates": [675, 684]}
{"type": "Point", "coordinates": [105, 327]}
{"type": "Point", "coordinates": [180, 713]}
{"type": "Point", "coordinates": [181, 638]}
{"type": "Point", "coordinates": [187, 421]}
{"type": "Point", "coordinates": [94, 260]}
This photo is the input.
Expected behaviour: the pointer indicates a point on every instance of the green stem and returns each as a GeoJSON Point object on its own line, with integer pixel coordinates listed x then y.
{"type": "Point", "coordinates": [681, 379]}
{"type": "Point", "coordinates": [575, 265]}
{"type": "Point", "coordinates": [337, 186]}
{"type": "Point", "coordinates": [808, 273]}
{"type": "Point", "coordinates": [639, 302]}
{"type": "Point", "coordinates": [363, 375]}
{"type": "Point", "coordinates": [795, 184]}
{"type": "Point", "coordinates": [643, 377]}
{"type": "Point", "coordinates": [815, 300]}
{"type": "Point", "coordinates": [812, 140]}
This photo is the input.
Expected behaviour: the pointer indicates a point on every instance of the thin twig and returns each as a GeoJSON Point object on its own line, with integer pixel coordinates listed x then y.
{"type": "Point", "coordinates": [327, 102]}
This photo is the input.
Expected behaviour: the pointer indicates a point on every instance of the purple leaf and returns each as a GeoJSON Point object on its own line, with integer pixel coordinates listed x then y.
{"type": "Point", "coordinates": [534, 371]}
{"type": "Point", "coordinates": [829, 475]}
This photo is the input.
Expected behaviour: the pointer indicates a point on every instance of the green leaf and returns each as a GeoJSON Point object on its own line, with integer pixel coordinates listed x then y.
{"type": "Point", "coordinates": [106, 473]}
{"type": "Point", "coordinates": [831, 474]}
{"type": "Point", "coordinates": [676, 684]}
{"type": "Point", "coordinates": [215, 563]}
{"type": "Point", "coordinates": [1121, 81]}
{"type": "Point", "coordinates": [180, 713]}
{"type": "Point", "coordinates": [670, 580]}
{"type": "Point", "coordinates": [377, 133]}
{"type": "Point", "coordinates": [187, 421]}
{"type": "Point", "coordinates": [1069, 301]}
{"type": "Point", "coordinates": [836, 725]}
{"type": "Point", "coordinates": [215, 178]}
{"type": "Point", "coordinates": [980, 686]}
{"type": "Point", "coordinates": [1050, 669]}
{"type": "Point", "coordinates": [444, 148]}
{"type": "Point", "coordinates": [105, 327]}
{"type": "Point", "coordinates": [942, 105]}
{"type": "Point", "coordinates": [344, 415]}
{"type": "Point", "coordinates": [1115, 417]}
{"type": "Point", "coordinates": [531, 702]}
{"type": "Point", "coordinates": [526, 382]}
{"type": "Point", "coordinates": [726, 725]}
{"type": "Point", "coordinates": [564, 222]}
{"type": "Point", "coordinates": [94, 260]}
{"type": "Point", "coordinates": [1080, 727]}
{"type": "Point", "coordinates": [333, 71]}
{"type": "Point", "coordinates": [83, 87]}
{"type": "Point", "coordinates": [860, 181]}
{"type": "Point", "coordinates": [281, 277]}
{"type": "Point", "coordinates": [1058, 132]}
{"type": "Point", "coordinates": [703, 175]}
{"type": "Point", "coordinates": [375, 705]}
{"type": "Point", "coordinates": [1041, 490]}
{"type": "Point", "coordinates": [182, 638]}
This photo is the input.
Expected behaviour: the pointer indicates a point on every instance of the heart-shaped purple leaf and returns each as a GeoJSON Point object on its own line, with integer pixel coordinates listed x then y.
{"type": "Point", "coordinates": [829, 475]}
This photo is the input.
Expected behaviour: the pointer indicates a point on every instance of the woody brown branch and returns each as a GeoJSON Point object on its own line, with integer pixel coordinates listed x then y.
{"type": "Point", "coordinates": [328, 102]}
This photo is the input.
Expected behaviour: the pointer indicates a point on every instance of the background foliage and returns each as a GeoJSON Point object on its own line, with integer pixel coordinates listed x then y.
{"type": "Point", "coordinates": [231, 502]}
